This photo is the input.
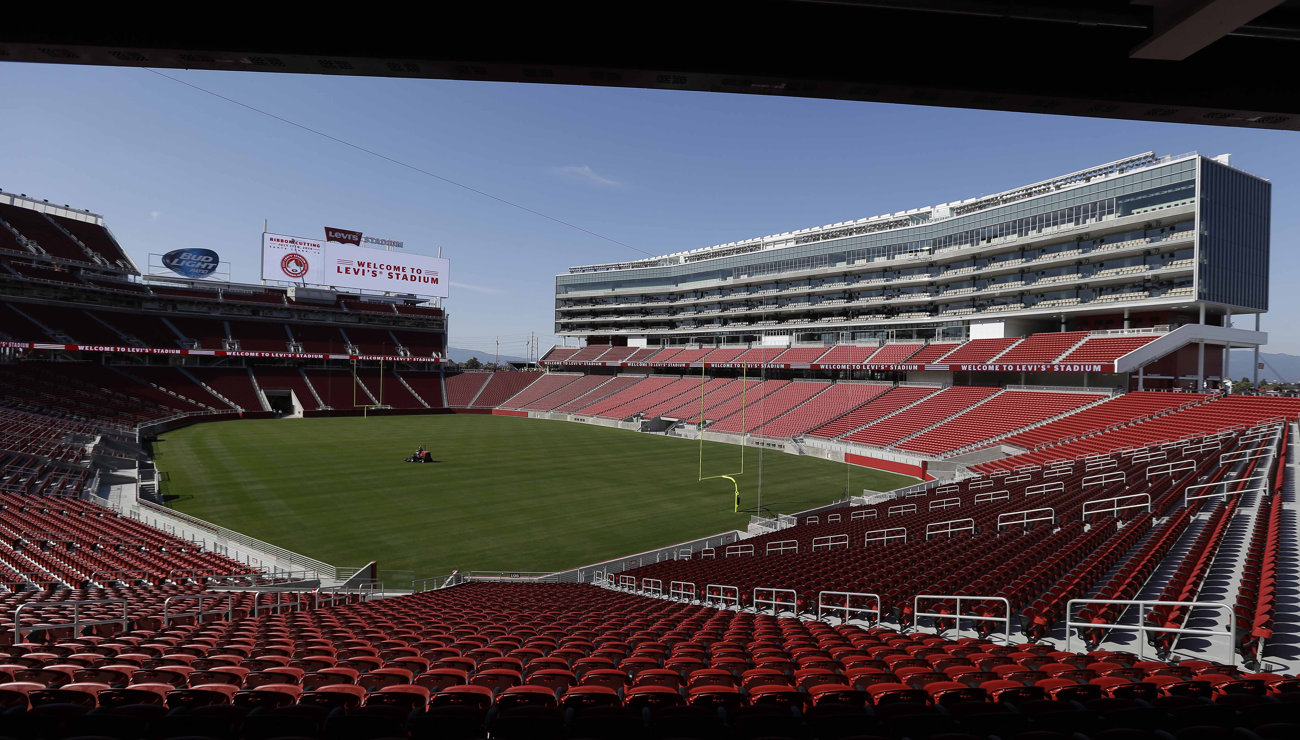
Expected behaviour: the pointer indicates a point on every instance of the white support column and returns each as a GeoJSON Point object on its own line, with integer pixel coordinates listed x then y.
{"type": "Point", "coordinates": [1200, 357]}
{"type": "Point", "coordinates": [1126, 318]}
{"type": "Point", "coordinates": [1255, 364]}
{"type": "Point", "coordinates": [1142, 370]}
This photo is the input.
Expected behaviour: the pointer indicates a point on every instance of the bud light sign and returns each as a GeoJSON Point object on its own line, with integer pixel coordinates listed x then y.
{"type": "Point", "coordinates": [192, 263]}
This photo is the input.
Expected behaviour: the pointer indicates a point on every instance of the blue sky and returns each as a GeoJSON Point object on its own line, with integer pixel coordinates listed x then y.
{"type": "Point", "coordinates": [662, 171]}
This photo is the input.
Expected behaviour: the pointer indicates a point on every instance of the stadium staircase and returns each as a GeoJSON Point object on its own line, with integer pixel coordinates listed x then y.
{"type": "Point", "coordinates": [411, 390]}
{"type": "Point", "coordinates": [229, 341]}
{"type": "Point", "coordinates": [615, 384]}
{"type": "Point", "coordinates": [994, 440]}
{"type": "Point", "coordinates": [194, 379]}
{"type": "Point", "coordinates": [126, 339]}
{"type": "Point", "coordinates": [57, 336]}
{"type": "Point", "coordinates": [795, 411]}
{"type": "Point", "coordinates": [1285, 639]}
{"type": "Point", "coordinates": [895, 412]}
{"type": "Point", "coordinates": [463, 388]}
{"type": "Point", "coordinates": [486, 382]}
{"type": "Point", "coordinates": [549, 383]}
{"type": "Point", "coordinates": [884, 388]}
{"type": "Point", "coordinates": [1061, 357]}
{"type": "Point", "coordinates": [257, 389]}
{"type": "Point", "coordinates": [361, 383]}
{"type": "Point", "coordinates": [307, 381]}
{"type": "Point", "coordinates": [895, 444]}
{"type": "Point", "coordinates": [140, 381]}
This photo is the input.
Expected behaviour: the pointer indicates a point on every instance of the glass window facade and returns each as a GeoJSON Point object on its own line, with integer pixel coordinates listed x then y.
{"type": "Point", "coordinates": [1234, 236]}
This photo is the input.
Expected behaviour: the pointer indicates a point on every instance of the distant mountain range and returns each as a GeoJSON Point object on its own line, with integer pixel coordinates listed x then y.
{"type": "Point", "coordinates": [1277, 366]}
{"type": "Point", "coordinates": [455, 354]}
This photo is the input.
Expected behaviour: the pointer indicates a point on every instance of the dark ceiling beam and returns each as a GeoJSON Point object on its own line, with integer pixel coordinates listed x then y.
{"type": "Point", "coordinates": [1059, 57]}
{"type": "Point", "coordinates": [1184, 27]}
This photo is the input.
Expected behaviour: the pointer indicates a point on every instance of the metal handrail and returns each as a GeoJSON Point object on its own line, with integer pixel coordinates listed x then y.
{"type": "Point", "coordinates": [278, 606]}
{"type": "Point", "coordinates": [772, 597]}
{"type": "Point", "coordinates": [957, 616]}
{"type": "Point", "coordinates": [229, 610]}
{"type": "Point", "coordinates": [77, 624]}
{"type": "Point", "coordinates": [1143, 629]}
{"type": "Point", "coordinates": [847, 609]}
{"type": "Point", "coordinates": [95, 575]}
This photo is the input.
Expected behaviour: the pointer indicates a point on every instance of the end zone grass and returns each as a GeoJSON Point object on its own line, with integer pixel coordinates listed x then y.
{"type": "Point", "coordinates": [506, 494]}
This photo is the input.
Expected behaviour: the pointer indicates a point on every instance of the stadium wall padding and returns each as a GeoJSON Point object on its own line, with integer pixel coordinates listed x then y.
{"type": "Point", "coordinates": [889, 466]}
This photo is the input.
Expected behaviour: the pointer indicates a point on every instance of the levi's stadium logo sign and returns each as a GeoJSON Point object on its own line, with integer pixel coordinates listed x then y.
{"type": "Point", "coordinates": [192, 263]}
{"type": "Point", "coordinates": [342, 236]}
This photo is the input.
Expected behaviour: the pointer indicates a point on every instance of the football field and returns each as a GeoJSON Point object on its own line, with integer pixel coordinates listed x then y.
{"type": "Point", "coordinates": [506, 493]}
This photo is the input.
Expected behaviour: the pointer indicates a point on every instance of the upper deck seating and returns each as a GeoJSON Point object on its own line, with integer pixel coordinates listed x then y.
{"type": "Point", "coordinates": [892, 354]}
{"type": "Point", "coordinates": [980, 350]}
{"type": "Point", "coordinates": [1042, 348]}
{"type": "Point", "coordinates": [1106, 349]}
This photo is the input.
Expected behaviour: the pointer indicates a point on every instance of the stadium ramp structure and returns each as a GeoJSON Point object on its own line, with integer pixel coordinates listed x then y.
{"type": "Point", "coordinates": [270, 559]}
{"type": "Point", "coordinates": [1184, 335]}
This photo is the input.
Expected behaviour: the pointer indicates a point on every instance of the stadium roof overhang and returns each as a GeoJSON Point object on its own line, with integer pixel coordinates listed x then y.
{"type": "Point", "coordinates": [1216, 62]}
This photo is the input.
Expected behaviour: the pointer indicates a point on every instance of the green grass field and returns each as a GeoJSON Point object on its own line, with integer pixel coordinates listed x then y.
{"type": "Point", "coordinates": [507, 493]}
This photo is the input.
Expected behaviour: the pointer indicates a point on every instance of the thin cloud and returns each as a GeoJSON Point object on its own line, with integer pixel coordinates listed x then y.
{"type": "Point", "coordinates": [475, 288]}
{"type": "Point", "coordinates": [155, 215]}
{"type": "Point", "coordinates": [584, 173]}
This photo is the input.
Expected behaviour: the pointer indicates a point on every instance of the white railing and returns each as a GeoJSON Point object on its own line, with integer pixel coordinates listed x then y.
{"type": "Point", "coordinates": [950, 527]}
{"type": "Point", "coordinates": [1101, 479]}
{"type": "Point", "coordinates": [681, 590]}
{"type": "Point", "coordinates": [652, 586]}
{"type": "Point", "coordinates": [945, 503]}
{"type": "Point", "coordinates": [1113, 505]}
{"type": "Point", "coordinates": [1052, 487]}
{"type": "Point", "coordinates": [1244, 455]}
{"type": "Point", "coordinates": [848, 610]}
{"type": "Point", "coordinates": [1143, 629]}
{"type": "Point", "coordinates": [984, 497]}
{"type": "Point", "coordinates": [830, 542]}
{"type": "Point", "coordinates": [886, 535]}
{"type": "Point", "coordinates": [1026, 517]}
{"type": "Point", "coordinates": [738, 550]}
{"type": "Point", "coordinates": [781, 546]}
{"type": "Point", "coordinates": [957, 616]}
{"type": "Point", "coordinates": [1221, 488]}
{"type": "Point", "coordinates": [21, 632]}
{"type": "Point", "coordinates": [722, 594]}
{"type": "Point", "coordinates": [776, 598]}
{"type": "Point", "coordinates": [229, 611]}
{"type": "Point", "coordinates": [1170, 468]}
